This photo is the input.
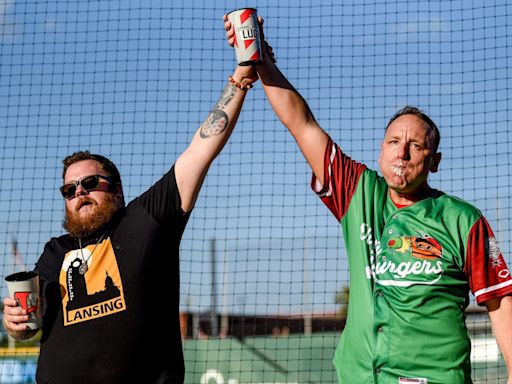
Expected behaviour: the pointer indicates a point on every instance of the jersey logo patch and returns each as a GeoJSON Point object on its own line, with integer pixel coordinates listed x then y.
{"type": "Point", "coordinates": [496, 258]}
{"type": "Point", "coordinates": [408, 260]}
{"type": "Point", "coordinates": [96, 293]}
{"type": "Point", "coordinates": [494, 252]}
{"type": "Point", "coordinates": [420, 247]}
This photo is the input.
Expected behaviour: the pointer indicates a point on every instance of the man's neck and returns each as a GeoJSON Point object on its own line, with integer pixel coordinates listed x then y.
{"type": "Point", "coordinates": [405, 199]}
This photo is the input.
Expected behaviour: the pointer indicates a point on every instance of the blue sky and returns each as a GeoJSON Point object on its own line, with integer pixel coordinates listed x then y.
{"type": "Point", "coordinates": [133, 81]}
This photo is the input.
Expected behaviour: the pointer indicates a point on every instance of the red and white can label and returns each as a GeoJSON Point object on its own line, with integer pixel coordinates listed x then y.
{"type": "Point", "coordinates": [247, 36]}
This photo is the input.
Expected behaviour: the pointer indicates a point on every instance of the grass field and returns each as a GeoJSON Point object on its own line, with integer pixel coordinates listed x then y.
{"type": "Point", "coordinates": [257, 360]}
{"type": "Point", "coordinates": [299, 359]}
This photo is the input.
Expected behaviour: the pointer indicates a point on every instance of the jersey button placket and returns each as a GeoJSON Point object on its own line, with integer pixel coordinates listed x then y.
{"type": "Point", "coordinates": [380, 335]}
{"type": "Point", "coordinates": [378, 378]}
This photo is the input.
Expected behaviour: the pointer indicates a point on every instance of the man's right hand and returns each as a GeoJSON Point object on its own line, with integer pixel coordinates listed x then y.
{"type": "Point", "coordinates": [15, 319]}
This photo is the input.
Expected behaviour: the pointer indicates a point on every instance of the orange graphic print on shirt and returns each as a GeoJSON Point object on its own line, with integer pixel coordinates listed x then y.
{"type": "Point", "coordinates": [96, 293]}
{"type": "Point", "coordinates": [420, 247]}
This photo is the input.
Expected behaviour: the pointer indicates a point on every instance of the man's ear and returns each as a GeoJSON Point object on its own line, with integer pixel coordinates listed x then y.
{"type": "Point", "coordinates": [380, 153]}
{"type": "Point", "coordinates": [119, 189]}
{"type": "Point", "coordinates": [435, 162]}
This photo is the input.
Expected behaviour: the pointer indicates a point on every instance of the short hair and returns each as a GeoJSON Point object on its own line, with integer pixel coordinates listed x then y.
{"type": "Point", "coordinates": [434, 134]}
{"type": "Point", "coordinates": [107, 165]}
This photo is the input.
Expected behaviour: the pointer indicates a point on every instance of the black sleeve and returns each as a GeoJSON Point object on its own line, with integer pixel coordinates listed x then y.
{"type": "Point", "coordinates": [48, 267]}
{"type": "Point", "coordinates": [48, 264]}
{"type": "Point", "coordinates": [162, 201]}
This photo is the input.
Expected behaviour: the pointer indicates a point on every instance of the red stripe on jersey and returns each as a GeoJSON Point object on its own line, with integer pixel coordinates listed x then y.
{"type": "Point", "coordinates": [341, 175]}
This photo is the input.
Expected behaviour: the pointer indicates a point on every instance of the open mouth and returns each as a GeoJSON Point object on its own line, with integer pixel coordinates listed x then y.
{"type": "Point", "coordinates": [84, 203]}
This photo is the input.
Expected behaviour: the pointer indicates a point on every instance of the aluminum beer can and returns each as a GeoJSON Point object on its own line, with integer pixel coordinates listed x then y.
{"type": "Point", "coordinates": [247, 42]}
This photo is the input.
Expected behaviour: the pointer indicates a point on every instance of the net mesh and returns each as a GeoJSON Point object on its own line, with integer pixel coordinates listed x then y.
{"type": "Point", "coordinates": [263, 268]}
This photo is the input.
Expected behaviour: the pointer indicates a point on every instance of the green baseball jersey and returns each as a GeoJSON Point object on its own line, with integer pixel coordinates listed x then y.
{"type": "Point", "coordinates": [411, 270]}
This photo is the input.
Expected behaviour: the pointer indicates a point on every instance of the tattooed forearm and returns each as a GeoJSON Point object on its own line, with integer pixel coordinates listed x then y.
{"type": "Point", "coordinates": [217, 121]}
{"type": "Point", "coordinates": [215, 124]}
{"type": "Point", "coordinates": [227, 95]}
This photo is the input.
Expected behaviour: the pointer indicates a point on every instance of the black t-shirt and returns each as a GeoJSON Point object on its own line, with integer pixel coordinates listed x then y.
{"type": "Point", "coordinates": [119, 321]}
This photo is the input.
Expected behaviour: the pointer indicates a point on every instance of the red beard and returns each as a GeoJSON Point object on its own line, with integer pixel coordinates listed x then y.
{"type": "Point", "coordinates": [80, 227]}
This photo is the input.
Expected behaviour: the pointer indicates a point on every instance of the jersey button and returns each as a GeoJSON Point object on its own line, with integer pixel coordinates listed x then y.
{"type": "Point", "coordinates": [380, 330]}
{"type": "Point", "coordinates": [380, 293]}
{"type": "Point", "coordinates": [377, 370]}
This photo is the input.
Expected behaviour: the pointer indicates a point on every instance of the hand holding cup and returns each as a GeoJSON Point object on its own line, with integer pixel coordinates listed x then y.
{"type": "Point", "coordinates": [22, 309]}
{"type": "Point", "coordinates": [230, 27]}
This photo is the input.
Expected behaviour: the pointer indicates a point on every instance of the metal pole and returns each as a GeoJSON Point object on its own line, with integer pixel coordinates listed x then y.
{"type": "Point", "coordinates": [308, 323]}
{"type": "Point", "coordinates": [224, 320]}
{"type": "Point", "coordinates": [213, 310]}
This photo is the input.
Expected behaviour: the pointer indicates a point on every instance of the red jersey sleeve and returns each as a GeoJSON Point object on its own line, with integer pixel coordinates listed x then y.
{"type": "Point", "coordinates": [341, 175]}
{"type": "Point", "coordinates": [485, 267]}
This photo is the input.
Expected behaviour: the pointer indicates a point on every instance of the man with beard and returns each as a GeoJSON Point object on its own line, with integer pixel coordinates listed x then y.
{"type": "Point", "coordinates": [103, 283]}
{"type": "Point", "coordinates": [413, 252]}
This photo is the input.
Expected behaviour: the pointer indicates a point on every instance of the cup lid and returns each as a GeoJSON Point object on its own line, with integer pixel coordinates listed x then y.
{"type": "Point", "coordinates": [21, 276]}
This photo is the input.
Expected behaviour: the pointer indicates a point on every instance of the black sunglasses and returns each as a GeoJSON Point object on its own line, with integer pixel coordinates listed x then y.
{"type": "Point", "coordinates": [89, 183]}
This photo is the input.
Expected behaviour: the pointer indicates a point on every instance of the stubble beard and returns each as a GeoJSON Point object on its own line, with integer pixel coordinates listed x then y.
{"type": "Point", "coordinates": [80, 227]}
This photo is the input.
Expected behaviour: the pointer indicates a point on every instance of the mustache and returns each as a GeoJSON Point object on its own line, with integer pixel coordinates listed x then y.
{"type": "Point", "coordinates": [84, 200]}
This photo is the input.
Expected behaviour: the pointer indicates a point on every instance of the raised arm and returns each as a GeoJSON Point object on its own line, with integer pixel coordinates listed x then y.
{"type": "Point", "coordinates": [192, 166]}
{"type": "Point", "coordinates": [290, 107]}
{"type": "Point", "coordinates": [500, 313]}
